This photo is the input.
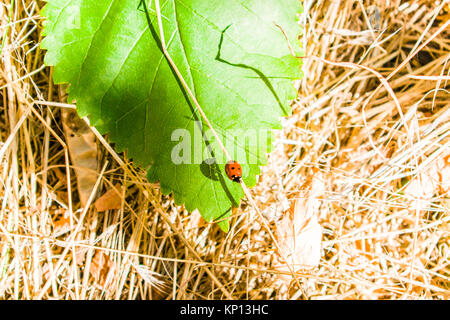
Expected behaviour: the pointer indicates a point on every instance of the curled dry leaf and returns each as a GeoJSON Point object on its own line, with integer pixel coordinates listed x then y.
{"type": "Point", "coordinates": [298, 233]}
{"type": "Point", "coordinates": [101, 265]}
{"type": "Point", "coordinates": [112, 199]}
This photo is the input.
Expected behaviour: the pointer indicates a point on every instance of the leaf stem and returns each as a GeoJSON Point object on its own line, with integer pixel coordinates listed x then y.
{"type": "Point", "coordinates": [194, 99]}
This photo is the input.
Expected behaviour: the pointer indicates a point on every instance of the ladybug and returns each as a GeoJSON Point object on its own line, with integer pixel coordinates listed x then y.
{"type": "Point", "coordinates": [234, 171]}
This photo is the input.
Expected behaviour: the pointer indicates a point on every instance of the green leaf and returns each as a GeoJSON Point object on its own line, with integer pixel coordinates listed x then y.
{"type": "Point", "coordinates": [233, 57]}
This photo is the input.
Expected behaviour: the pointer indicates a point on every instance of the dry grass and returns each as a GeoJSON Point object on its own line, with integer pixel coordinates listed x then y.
{"type": "Point", "coordinates": [372, 117]}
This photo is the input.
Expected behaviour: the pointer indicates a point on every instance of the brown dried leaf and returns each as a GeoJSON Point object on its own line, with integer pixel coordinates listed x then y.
{"type": "Point", "coordinates": [112, 199]}
{"type": "Point", "coordinates": [298, 232]}
{"type": "Point", "coordinates": [83, 152]}
{"type": "Point", "coordinates": [101, 265]}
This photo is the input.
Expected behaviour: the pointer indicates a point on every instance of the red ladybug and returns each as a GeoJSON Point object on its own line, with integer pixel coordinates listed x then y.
{"type": "Point", "coordinates": [234, 171]}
